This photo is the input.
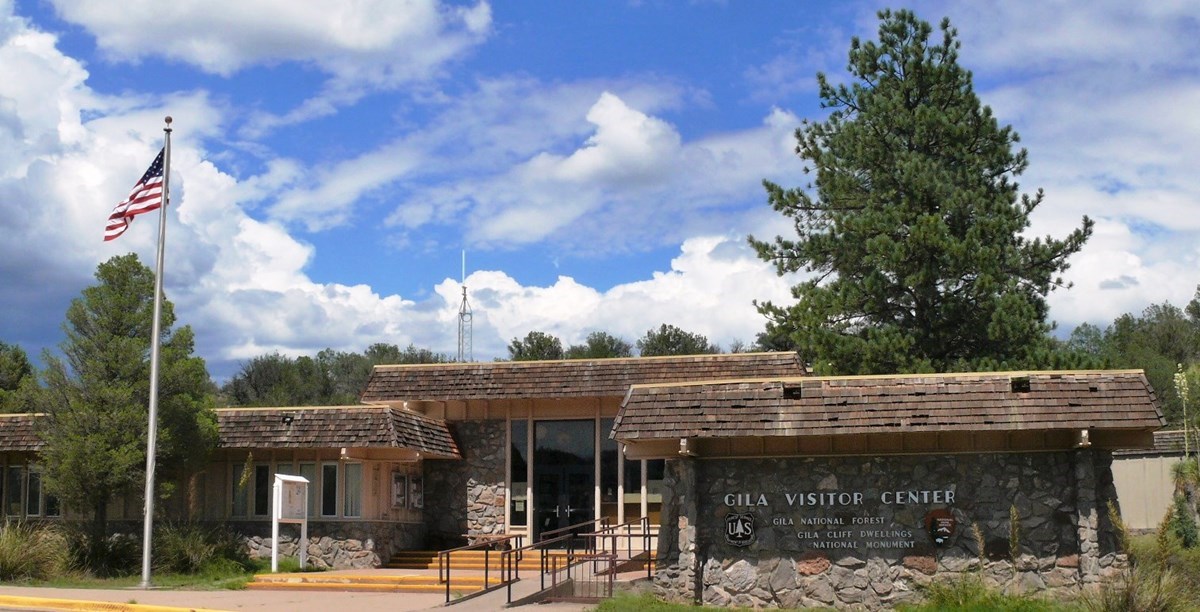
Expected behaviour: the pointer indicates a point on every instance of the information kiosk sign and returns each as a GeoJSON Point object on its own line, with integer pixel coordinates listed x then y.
{"type": "Point", "coordinates": [291, 506]}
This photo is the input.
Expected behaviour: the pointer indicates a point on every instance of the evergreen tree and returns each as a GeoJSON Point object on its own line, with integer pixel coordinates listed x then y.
{"type": "Point", "coordinates": [1159, 341]}
{"type": "Point", "coordinates": [912, 227]}
{"type": "Point", "coordinates": [332, 378]}
{"type": "Point", "coordinates": [277, 380]}
{"type": "Point", "coordinates": [600, 345]}
{"type": "Point", "coordinates": [670, 340]}
{"type": "Point", "coordinates": [17, 378]}
{"type": "Point", "coordinates": [14, 366]}
{"type": "Point", "coordinates": [535, 346]}
{"type": "Point", "coordinates": [96, 398]}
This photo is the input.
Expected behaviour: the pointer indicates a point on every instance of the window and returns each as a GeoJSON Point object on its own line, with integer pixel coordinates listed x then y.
{"type": "Point", "coordinates": [12, 490]}
{"type": "Point", "coordinates": [262, 490]}
{"type": "Point", "coordinates": [23, 493]}
{"type": "Point", "coordinates": [655, 469]}
{"type": "Point", "coordinates": [329, 487]}
{"type": "Point", "coordinates": [53, 508]}
{"type": "Point", "coordinates": [609, 460]}
{"type": "Point", "coordinates": [352, 496]}
{"type": "Point", "coordinates": [309, 471]}
{"type": "Point", "coordinates": [518, 468]}
{"type": "Point", "coordinates": [33, 499]}
{"type": "Point", "coordinates": [238, 491]}
{"type": "Point", "coordinates": [633, 490]}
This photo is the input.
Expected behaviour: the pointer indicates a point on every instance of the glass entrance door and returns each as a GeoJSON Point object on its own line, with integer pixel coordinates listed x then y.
{"type": "Point", "coordinates": [564, 474]}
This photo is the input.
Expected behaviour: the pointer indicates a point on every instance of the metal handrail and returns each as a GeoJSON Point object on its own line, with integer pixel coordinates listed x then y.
{"type": "Point", "coordinates": [552, 564]}
{"type": "Point", "coordinates": [569, 528]}
{"type": "Point", "coordinates": [611, 532]}
{"type": "Point", "coordinates": [512, 571]}
{"type": "Point", "coordinates": [491, 541]}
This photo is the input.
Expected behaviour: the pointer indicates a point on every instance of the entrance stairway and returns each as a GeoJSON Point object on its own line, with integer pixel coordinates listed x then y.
{"type": "Point", "coordinates": [364, 582]}
{"type": "Point", "coordinates": [467, 568]}
{"type": "Point", "coordinates": [459, 560]}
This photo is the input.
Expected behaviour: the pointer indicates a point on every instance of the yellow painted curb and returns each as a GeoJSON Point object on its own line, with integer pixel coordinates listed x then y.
{"type": "Point", "coordinates": [43, 603]}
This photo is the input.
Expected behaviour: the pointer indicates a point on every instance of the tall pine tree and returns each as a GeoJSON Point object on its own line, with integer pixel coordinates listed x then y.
{"type": "Point", "coordinates": [96, 400]}
{"type": "Point", "coordinates": [912, 228]}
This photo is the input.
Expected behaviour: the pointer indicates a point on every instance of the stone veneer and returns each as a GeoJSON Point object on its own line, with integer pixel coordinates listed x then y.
{"type": "Point", "coordinates": [335, 544]}
{"type": "Point", "coordinates": [467, 496]}
{"type": "Point", "coordinates": [1066, 540]}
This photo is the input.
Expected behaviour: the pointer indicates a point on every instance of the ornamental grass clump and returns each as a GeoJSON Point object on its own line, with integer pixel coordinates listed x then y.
{"type": "Point", "coordinates": [29, 552]}
{"type": "Point", "coordinates": [189, 548]}
{"type": "Point", "coordinates": [1145, 589]}
{"type": "Point", "coordinates": [969, 592]}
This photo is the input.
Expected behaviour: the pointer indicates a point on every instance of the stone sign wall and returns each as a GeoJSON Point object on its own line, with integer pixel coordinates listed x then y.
{"type": "Point", "coordinates": [865, 531]}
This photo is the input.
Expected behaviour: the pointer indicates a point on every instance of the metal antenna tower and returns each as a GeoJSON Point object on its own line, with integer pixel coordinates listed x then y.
{"type": "Point", "coordinates": [465, 351]}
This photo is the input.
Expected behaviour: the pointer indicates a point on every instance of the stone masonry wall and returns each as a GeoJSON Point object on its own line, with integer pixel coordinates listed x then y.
{"type": "Point", "coordinates": [335, 545]}
{"type": "Point", "coordinates": [847, 532]}
{"type": "Point", "coordinates": [467, 496]}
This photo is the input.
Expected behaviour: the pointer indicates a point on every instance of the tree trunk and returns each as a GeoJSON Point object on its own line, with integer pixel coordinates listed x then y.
{"type": "Point", "coordinates": [97, 536]}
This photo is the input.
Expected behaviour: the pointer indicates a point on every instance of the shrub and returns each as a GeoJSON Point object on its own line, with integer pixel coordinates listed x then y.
{"type": "Point", "coordinates": [1182, 525]}
{"type": "Point", "coordinates": [119, 554]}
{"type": "Point", "coordinates": [1119, 528]}
{"type": "Point", "coordinates": [1186, 472]}
{"type": "Point", "coordinates": [1145, 589]}
{"type": "Point", "coordinates": [189, 548]}
{"type": "Point", "coordinates": [970, 593]}
{"type": "Point", "coordinates": [980, 546]}
{"type": "Point", "coordinates": [30, 552]}
{"type": "Point", "coordinates": [1014, 533]}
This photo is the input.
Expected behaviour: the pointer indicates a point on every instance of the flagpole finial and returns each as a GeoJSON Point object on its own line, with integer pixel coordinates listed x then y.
{"type": "Point", "coordinates": [168, 120]}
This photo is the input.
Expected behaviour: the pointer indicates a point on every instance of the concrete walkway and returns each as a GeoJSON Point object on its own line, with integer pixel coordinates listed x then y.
{"type": "Point", "coordinates": [136, 600]}
{"type": "Point", "coordinates": [156, 600]}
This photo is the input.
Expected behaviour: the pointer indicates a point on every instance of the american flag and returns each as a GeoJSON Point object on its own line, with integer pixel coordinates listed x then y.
{"type": "Point", "coordinates": [147, 195]}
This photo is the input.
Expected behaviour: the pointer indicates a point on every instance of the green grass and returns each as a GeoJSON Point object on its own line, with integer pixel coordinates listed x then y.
{"type": "Point", "coordinates": [647, 603]}
{"type": "Point", "coordinates": [213, 576]}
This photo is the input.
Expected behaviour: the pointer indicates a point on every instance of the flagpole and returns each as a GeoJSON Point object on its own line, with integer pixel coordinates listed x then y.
{"type": "Point", "coordinates": [156, 333]}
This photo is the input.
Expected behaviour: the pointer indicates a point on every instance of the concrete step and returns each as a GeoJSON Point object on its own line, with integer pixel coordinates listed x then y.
{"type": "Point", "coordinates": [317, 581]}
{"type": "Point", "coordinates": [465, 560]}
{"type": "Point", "coordinates": [460, 565]}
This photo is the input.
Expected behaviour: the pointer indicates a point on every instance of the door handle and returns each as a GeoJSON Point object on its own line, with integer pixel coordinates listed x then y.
{"type": "Point", "coordinates": [569, 511]}
{"type": "Point", "coordinates": [556, 511]}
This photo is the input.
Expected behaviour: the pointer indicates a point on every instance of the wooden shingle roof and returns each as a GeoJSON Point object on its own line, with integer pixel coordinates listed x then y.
{"type": "Point", "coordinates": [18, 433]}
{"type": "Point", "coordinates": [333, 427]}
{"type": "Point", "coordinates": [823, 406]}
{"type": "Point", "coordinates": [569, 378]}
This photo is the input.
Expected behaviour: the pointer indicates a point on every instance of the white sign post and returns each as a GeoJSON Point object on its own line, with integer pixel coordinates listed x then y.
{"type": "Point", "coordinates": [291, 506]}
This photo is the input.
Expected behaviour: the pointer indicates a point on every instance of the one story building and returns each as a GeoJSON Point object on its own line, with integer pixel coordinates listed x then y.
{"type": "Point", "coordinates": [1145, 480]}
{"type": "Point", "coordinates": [766, 486]}
{"type": "Point", "coordinates": [833, 491]}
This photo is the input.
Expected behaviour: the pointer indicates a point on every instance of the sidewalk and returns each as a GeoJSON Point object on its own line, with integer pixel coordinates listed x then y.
{"type": "Point", "coordinates": [138, 600]}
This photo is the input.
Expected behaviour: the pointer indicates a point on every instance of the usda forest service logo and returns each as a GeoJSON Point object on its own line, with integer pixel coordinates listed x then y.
{"type": "Point", "coordinates": [739, 528]}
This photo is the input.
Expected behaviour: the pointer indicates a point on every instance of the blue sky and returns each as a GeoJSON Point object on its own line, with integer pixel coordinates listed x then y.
{"type": "Point", "coordinates": [600, 162]}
